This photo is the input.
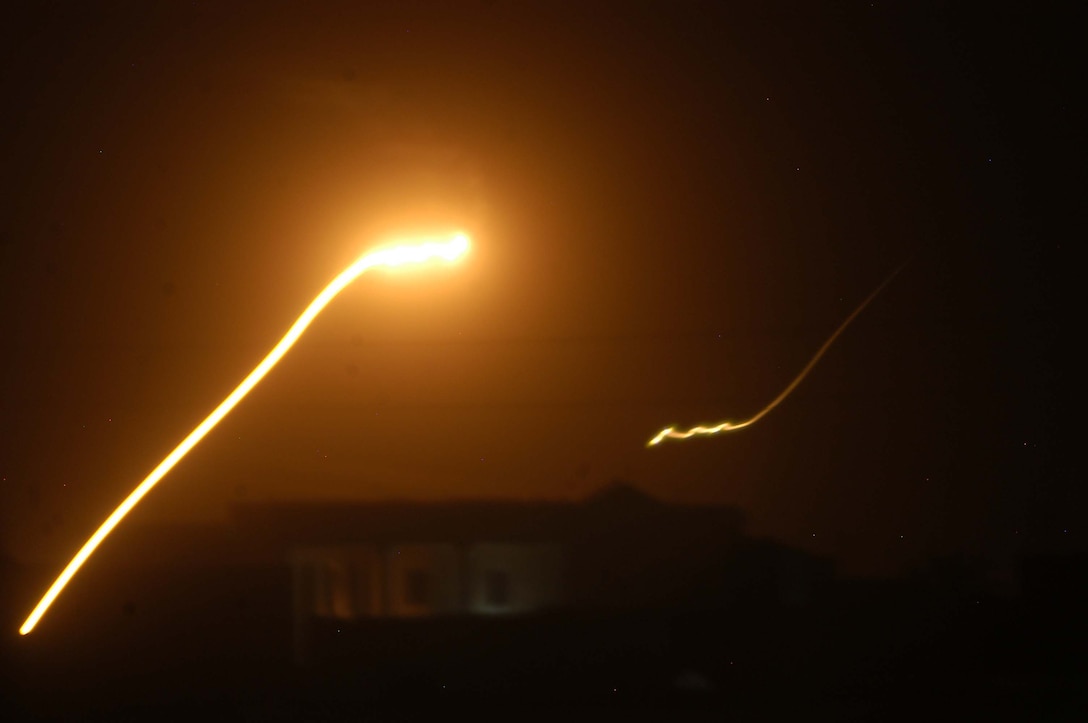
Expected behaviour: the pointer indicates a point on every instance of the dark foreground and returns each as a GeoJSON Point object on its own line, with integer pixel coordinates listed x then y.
{"type": "Point", "coordinates": [864, 651]}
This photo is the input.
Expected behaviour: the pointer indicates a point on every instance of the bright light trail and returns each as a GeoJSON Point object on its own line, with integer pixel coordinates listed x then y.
{"type": "Point", "coordinates": [448, 249]}
{"type": "Point", "coordinates": [673, 433]}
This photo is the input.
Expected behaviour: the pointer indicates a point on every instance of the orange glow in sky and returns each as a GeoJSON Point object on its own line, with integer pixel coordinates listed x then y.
{"type": "Point", "coordinates": [702, 431]}
{"type": "Point", "coordinates": [417, 251]}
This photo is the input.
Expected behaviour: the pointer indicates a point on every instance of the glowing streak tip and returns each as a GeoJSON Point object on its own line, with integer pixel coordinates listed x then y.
{"type": "Point", "coordinates": [671, 433]}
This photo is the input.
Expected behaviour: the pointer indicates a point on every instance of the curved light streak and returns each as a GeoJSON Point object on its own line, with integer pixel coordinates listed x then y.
{"type": "Point", "coordinates": [449, 249]}
{"type": "Point", "coordinates": [673, 433]}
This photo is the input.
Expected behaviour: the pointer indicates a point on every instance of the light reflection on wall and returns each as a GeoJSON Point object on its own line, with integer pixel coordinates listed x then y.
{"type": "Point", "coordinates": [510, 579]}
{"type": "Point", "coordinates": [426, 579]}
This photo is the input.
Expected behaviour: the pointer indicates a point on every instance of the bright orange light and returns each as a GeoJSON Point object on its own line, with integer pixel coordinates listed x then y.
{"type": "Point", "coordinates": [448, 249]}
{"type": "Point", "coordinates": [672, 433]}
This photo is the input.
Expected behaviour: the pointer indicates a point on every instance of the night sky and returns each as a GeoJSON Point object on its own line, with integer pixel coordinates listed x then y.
{"type": "Point", "coordinates": [672, 205]}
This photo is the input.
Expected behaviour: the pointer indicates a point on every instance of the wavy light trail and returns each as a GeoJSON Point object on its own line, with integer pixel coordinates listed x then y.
{"type": "Point", "coordinates": [449, 249]}
{"type": "Point", "coordinates": [672, 433]}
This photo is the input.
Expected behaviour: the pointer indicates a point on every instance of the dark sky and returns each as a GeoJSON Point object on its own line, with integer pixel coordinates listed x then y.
{"type": "Point", "coordinates": [673, 205]}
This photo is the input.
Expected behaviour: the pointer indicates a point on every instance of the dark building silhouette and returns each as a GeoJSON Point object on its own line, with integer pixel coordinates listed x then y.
{"type": "Point", "coordinates": [619, 551]}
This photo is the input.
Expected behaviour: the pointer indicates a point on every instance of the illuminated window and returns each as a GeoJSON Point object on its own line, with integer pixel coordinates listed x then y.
{"type": "Point", "coordinates": [497, 588]}
{"type": "Point", "coordinates": [417, 587]}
